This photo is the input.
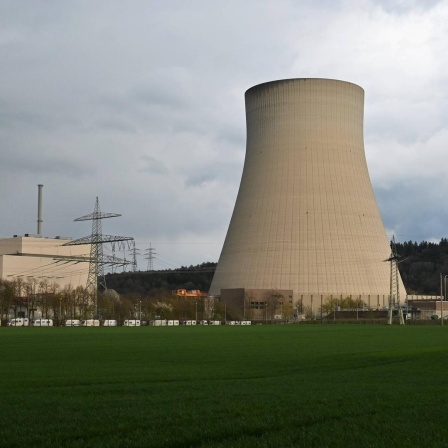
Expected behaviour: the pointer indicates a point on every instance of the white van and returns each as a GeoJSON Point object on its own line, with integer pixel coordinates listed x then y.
{"type": "Point", "coordinates": [90, 323]}
{"type": "Point", "coordinates": [159, 323]}
{"type": "Point", "coordinates": [131, 323]}
{"type": "Point", "coordinates": [43, 323]}
{"type": "Point", "coordinates": [110, 323]}
{"type": "Point", "coordinates": [72, 323]}
{"type": "Point", "coordinates": [19, 322]}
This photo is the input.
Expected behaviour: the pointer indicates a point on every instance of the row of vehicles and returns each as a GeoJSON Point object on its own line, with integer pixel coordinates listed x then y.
{"type": "Point", "coordinates": [177, 323]}
{"type": "Point", "coordinates": [25, 322]}
{"type": "Point", "coordinates": [90, 323]}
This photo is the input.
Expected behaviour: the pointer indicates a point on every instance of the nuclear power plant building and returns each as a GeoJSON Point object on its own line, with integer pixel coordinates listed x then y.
{"type": "Point", "coordinates": [306, 226]}
{"type": "Point", "coordinates": [38, 259]}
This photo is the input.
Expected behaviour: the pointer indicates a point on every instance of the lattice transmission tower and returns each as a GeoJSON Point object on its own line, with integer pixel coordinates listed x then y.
{"type": "Point", "coordinates": [125, 246]}
{"type": "Point", "coordinates": [135, 252]}
{"type": "Point", "coordinates": [150, 252]}
{"type": "Point", "coordinates": [394, 296]}
{"type": "Point", "coordinates": [97, 259]}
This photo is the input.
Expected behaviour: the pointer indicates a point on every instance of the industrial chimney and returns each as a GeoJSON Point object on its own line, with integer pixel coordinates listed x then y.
{"type": "Point", "coordinates": [39, 209]}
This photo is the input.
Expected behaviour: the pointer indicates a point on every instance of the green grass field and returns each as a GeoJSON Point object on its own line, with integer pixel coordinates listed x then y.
{"type": "Point", "coordinates": [259, 386]}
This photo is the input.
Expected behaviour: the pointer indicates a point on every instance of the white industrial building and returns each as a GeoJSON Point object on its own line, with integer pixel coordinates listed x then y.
{"type": "Point", "coordinates": [39, 259]}
{"type": "Point", "coordinates": [33, 257]}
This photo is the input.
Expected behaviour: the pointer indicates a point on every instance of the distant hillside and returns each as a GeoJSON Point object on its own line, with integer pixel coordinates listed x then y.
{"type": "Point", "coordinates": [420, 268]}
{"type": "Point", "coordinates": [150, 283]}
{"type": "Point", "coordinates": [421, 265]}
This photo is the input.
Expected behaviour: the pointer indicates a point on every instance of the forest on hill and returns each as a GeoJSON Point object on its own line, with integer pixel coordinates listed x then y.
{"type": "Point", "coordinates": [420, 264]}
{"type": "Point", "coordinates": [153, 283]}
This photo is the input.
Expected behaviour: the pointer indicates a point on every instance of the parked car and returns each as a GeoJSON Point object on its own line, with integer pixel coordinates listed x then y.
{"type": "Point", "coordinates": [110, 323]}
{"type": "Point", "coordinates": [131, 323]}
{"type": "Point", "coordinates": [90, 323]}
{"type": "Point", "coordinates": [19, 322]}
{"type": "Point", "coordinates": [72, 323]}
{"type": "Point", "coordinates": [42, 323]}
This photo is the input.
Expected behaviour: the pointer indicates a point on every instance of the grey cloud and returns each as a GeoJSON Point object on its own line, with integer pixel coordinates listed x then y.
{"type": "Point", "coordinates": [53, 162]}
{"type": "Point", "coordinates": [115, 125]}
{"type": "Point", "coordinates": [198, 180]}
{"type": "Point", "coordinates": [153, 166]}
{"type": "Point", "coordinates": [415, 209]}
{"type": "Point", "coordinates": [142, 104]}
{"type": "Point", "coordinates": [406, 6]}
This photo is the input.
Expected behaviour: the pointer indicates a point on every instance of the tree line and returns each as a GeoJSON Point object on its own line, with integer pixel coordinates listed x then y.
{"type": "Point", "coordinates": [152, 293]}
{"type": "Point", "coordinates": [421, 265]}
{"type": "Point", "coordinates": [34, 299]}
{"type": "Point", "coordinates": [153, 283]}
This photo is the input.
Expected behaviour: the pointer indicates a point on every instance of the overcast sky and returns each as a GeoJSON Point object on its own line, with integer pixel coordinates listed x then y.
{"type": "Point", "coordinates": [141, 103]}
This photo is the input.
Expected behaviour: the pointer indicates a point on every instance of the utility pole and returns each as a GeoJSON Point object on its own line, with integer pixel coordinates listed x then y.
{"type": "Point", "coordinates": [394, 295]}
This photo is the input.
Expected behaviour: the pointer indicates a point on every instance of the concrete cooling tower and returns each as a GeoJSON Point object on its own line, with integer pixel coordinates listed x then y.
{"type": "Point", "coordinates": [306, 225]}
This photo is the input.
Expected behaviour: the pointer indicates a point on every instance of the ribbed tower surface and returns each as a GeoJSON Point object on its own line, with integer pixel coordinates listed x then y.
{"type": "Point", "coordinates": [305, 218]}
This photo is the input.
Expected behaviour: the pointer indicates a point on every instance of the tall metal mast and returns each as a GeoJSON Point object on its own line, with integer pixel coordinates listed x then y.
{"type": "Point", "coordinates": [97, 260]}
{"type": "Point", "coordinates": [151, 256]}
{"type": "Point", "coordinates": [394, 295]}
{"type": "Point", "coordinates": [135, 252]}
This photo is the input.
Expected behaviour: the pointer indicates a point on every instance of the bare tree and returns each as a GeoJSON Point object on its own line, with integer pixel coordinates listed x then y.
{"type": "Point", "coordinates": [7, 289]}
{"type": "Point", "coordinates": [272, 302]}
{"type": "Point", "coordinates": [287, 310]}
{"type": "Point", "coordinates": [109, 302]}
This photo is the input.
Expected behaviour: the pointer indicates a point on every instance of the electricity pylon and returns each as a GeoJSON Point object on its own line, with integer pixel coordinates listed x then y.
{"type": "Point", "coordinates": [394, 296]}
{"type": "Point", "coordinates": [124, 246]}
{"type": "Point", "coordinates": [97, 259]}
{"type": "Point", "coordinates": [135, 252]}
{"type": "Point", "coordinates": [151, 256]}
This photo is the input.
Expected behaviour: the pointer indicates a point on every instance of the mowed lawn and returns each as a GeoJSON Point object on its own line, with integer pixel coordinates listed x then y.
{"type": "Point", "coordinates": [259, 386]}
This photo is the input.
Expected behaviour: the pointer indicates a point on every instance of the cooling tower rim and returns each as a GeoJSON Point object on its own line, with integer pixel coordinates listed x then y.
{"type": "Point", "coordinates": [264, 85]}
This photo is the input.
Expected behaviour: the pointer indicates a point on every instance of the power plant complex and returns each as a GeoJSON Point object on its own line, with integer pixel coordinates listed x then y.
{"type": "Point", "coordinates": [40, 259]}
{"type": "Point", "coordinates": [306, 226]}
{"type": "Point", "coordinates": [36, 268]}
{"type": "Point", "coordinates": [305, 231]}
